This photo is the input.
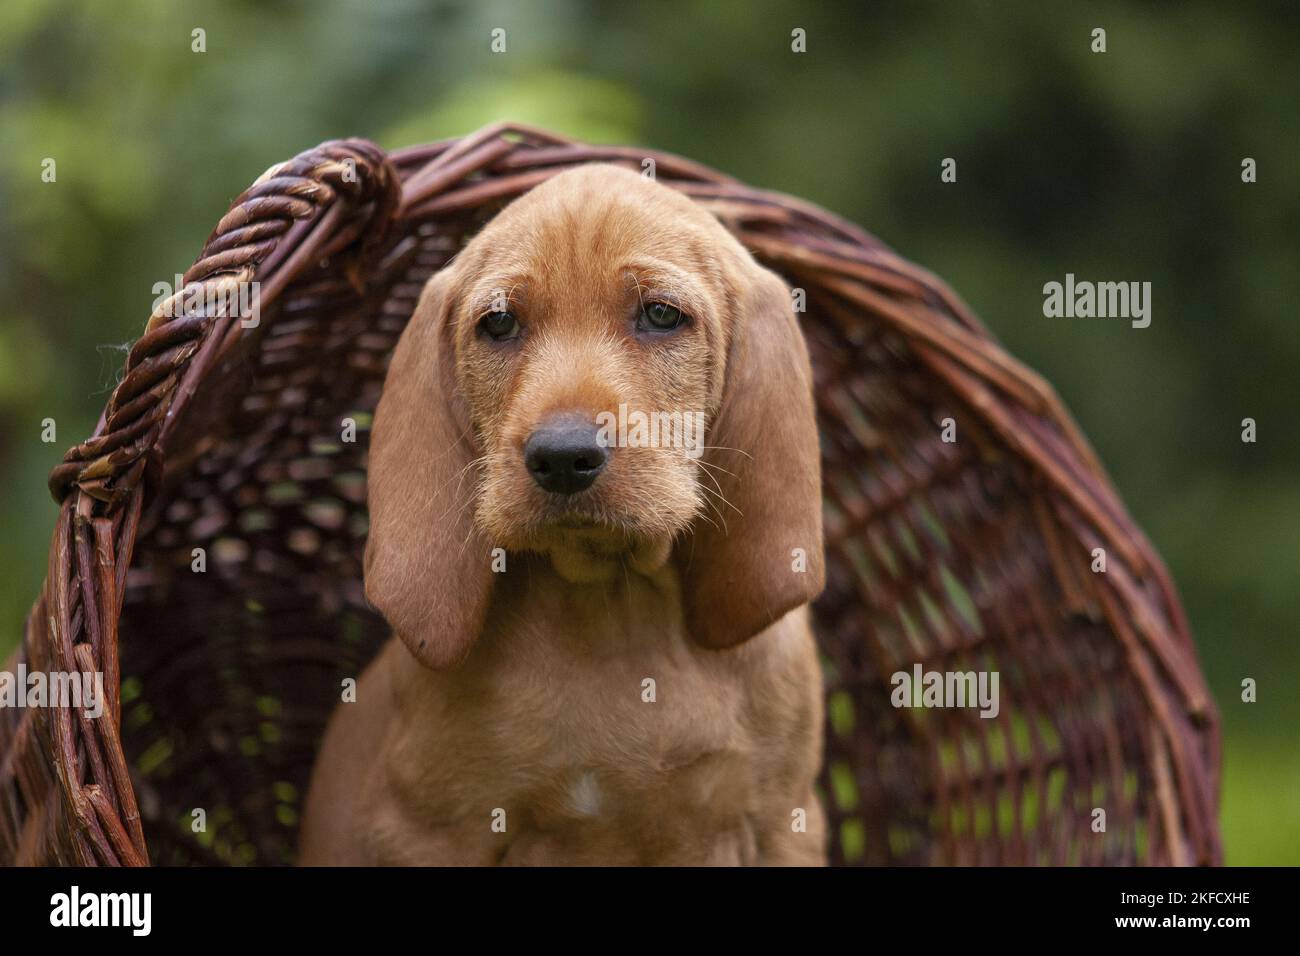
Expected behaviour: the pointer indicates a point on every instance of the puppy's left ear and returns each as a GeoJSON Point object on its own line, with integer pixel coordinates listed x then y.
{"type": "Point", "coordinates": [764, 557]}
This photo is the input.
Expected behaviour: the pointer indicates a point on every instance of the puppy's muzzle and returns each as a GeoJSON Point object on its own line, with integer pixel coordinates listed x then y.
{"type": "Point", "coordinates": [564, 456]}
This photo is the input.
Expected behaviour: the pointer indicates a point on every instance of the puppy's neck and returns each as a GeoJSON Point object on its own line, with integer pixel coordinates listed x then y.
{"type": "Point", "coordinates": [596, 608]}
{"type": "Point", "coordinates": [580, 600]}
{"type": "Point", "coordinates": [585, 558]}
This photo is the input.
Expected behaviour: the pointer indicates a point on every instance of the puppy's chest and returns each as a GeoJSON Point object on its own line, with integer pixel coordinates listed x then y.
{"type": "Point", "coordinates": [598, 713]}
{"type": "Point", "coordinates": [672, 752]}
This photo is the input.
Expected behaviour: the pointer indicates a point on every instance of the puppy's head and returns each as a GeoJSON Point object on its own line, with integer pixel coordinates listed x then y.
{"type": "Point", "coordinates": [606, 377]}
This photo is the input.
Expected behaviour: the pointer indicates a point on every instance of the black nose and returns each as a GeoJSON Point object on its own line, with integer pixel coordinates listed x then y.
{"type": "Point", "coordinates": [564, 456]}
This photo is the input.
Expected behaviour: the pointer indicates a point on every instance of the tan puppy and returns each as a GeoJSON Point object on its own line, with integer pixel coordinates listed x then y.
{"type": "Point", "coordinates": [604, 652]}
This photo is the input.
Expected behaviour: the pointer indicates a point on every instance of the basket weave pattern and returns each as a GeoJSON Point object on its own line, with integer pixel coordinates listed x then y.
{"type": "Point", "coordinates": [959, 556]}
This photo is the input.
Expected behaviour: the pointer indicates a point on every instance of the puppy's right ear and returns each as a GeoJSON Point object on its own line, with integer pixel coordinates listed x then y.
{"type": "Point", "coordinates": [428, 568]}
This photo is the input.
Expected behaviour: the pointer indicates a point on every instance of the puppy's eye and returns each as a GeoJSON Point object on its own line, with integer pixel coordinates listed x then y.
{"type": "Point", "coordinates": [660, 317]}
{"type": "Point", "coordinates": [500, 326]}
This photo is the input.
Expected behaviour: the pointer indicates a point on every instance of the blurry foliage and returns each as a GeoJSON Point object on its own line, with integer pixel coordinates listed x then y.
{"type": "Point", "coordinates": [1119, 166]}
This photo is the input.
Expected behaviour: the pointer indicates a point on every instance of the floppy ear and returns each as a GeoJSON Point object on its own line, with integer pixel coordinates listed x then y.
{"type": "Point", "coordinates": [756, 565]}
{"type": "Point", "coordinates": [427, 566]}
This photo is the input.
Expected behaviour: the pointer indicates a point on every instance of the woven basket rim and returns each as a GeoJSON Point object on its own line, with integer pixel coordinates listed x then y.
{"type": "Point", "coordinates": [342, 201]}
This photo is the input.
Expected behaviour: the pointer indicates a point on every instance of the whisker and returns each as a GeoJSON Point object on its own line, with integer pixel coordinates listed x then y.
{"type": "Point", "coordinates": [704, 464]}
{"type": "Point", "coordinates": [739, 451]}
{"type": "Point", "coordinates": [709, 500]}
{"type": "Point", "coordinates": [717, 490]}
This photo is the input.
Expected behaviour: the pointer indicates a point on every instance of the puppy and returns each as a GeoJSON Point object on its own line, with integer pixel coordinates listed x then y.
{"type": "Point", "coordinates": [603, 652]}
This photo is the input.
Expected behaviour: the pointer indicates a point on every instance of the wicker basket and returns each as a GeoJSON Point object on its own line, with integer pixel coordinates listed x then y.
{"type": "Point", "coordinates": [968, 555]}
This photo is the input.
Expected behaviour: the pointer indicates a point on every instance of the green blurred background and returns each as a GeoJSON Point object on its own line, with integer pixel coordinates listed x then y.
{"type": "Point", "coordinates": [1117, 166]}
